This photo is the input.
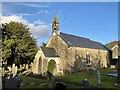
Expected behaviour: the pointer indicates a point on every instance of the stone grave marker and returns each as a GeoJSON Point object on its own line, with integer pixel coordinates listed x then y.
{"type": "Point", "coordinates": [21, 67]}
{"type": "Point", "coordinates": [32, 66]}
{"type": "Point", "coordinates": [9, 68]}
{"type": "Point", "coordinates": [60, 85]}
{"type": "Point", "coordinates": [14, 70]}
{"type": "Point", "coordinates": [26, 66]}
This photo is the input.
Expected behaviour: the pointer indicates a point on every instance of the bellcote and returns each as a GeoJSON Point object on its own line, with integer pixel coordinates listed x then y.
{"type": "Point", "coordinates": [55, 25]}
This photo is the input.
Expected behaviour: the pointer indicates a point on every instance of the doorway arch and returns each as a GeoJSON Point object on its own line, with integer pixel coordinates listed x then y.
{"type": "Point", "coordinates": [51, 66]}
{"type": "Point", "coordinates": [39, 65]}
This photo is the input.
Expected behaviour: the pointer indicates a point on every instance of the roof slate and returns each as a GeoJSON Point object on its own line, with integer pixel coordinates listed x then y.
{"type": "Point", "coordinates": [49, 52]}
{"type": "Point", "coordinates": [72, 40]}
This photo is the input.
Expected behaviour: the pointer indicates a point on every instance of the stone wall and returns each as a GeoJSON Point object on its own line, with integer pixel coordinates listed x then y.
{"type": "Point", "coordinates": [61, 48]}
{"type": "Point", "coordinates": [98, 58]}
{"type": "Point", "coordinates": [74, 58]}
{"type": "Point", "coordinates": [115, 53]}
{"type": "Point", "coordinates": [37, 67]}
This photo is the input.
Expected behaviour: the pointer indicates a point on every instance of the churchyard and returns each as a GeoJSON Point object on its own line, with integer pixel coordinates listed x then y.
{"type": "Point", "coordinates": [71, 81]}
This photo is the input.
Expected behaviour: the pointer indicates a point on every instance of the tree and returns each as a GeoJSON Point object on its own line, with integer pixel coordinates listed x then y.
{"type": "Point", "coordinates": [17, 44]}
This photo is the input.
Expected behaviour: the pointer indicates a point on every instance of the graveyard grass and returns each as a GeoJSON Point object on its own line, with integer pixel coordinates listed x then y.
{"type": "Point", "coordinates": [32, 82]}
{"type": "Point", "coordinates": [106, 82]}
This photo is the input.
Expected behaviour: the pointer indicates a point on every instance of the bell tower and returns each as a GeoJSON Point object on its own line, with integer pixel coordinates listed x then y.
{"type": "Point", "coordinates": [55, 25]}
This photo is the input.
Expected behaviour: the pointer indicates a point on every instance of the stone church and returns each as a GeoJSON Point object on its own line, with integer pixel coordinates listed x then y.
{"type": "Point", "coordinates": [70, 53]}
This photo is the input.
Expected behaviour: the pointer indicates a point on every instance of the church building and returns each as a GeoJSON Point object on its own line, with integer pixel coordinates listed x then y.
{"type": "Point", "coordinates": [69, 53]}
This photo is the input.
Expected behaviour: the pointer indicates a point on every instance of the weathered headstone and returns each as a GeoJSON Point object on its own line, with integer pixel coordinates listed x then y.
{"type": "Point", "coordinates": [9, 68]}
{"type": "Point", "coordinates": [32, 66]}
{"type": "Point", "coordinates": [50, 80]}
{"type": "Point", "coordinates": [14, 70]}
{"type": "Point", "coordinates": [12, 83]}
{"type": "Point", "coordinates": [20, 67]}
{"type": "Point", "coordinates": [13, 65]}
{"type": "Point", "coordinates": [85, 84]}
{"type": "Point", "coordinates": [98, 78]}
{"type": "Point", "coordinates": [26, 67]}
{"type": "Point", "coordinates": [60, 85]}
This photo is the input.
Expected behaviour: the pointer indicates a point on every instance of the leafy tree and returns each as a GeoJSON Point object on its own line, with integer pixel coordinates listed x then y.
{"type": "Point", "coordinates": [17, 44]}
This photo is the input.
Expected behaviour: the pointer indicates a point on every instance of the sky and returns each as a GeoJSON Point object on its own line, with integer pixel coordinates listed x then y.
{"type": "Point", "coordinates": [97, 21]}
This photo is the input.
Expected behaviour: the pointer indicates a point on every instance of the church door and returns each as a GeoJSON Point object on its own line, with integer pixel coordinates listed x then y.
{"type": "Point", "coordinates": [51, 66]}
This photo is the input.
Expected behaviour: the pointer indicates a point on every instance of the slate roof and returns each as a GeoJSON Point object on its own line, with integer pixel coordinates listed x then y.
{"type": "Point", "coordinates": [49, 52]}
{"type": "Point", "coordinates": [72, 40]}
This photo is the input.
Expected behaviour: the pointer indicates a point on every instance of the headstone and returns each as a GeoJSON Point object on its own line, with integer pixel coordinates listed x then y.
{"type": "Point", "coordinates": [20, 67]}
{"type": "Point", "coordinates": [92, 72]}
{"type": "Point", "coordinates": [26, 66]}
{"type": "Point", "coordinates": [60, 85]}
{"type": "Point", "coordinates": [12, 83]}
{"type": "Point", "coordinates": [13, 66]}
{"type": "Point", "coordinates": [14, 70]}
{"type": "Point", "coordinates": [50, 80]}
{"type": "Point", "coordinates": [9, 68]}
{"type": "Point", "coordinates": [32, 66]}
{"type": "Point", "coordinates": [98, 78]}
{"type": "Point", "coordinates": [85, 84]}
{"type": "Point", "coordinates": [112, 66]}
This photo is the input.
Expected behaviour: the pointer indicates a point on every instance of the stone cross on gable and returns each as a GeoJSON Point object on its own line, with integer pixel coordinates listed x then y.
{"type": "Point", "coordinates": [55, 25]}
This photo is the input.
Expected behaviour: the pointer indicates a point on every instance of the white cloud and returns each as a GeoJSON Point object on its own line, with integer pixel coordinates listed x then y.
{"type": "Point", "coordinates": [43, 12]}
{"type": "Point", "coordinates": [37, 28]}
{"type": "Point", "coordinates": [34, 5]}
{"type": "Point", "coordinates": [14, 18]}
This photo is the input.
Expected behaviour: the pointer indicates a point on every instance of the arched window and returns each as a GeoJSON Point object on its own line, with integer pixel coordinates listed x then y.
{"type": "Point", "coordinates": [88, 58]}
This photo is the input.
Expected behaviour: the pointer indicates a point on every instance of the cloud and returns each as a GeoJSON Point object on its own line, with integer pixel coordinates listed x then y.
{"type": "Point", "coordinates": [21, 14]}
{"type": "Point", "coordinates": [43, 12]}
{"type": "Point", "coordinates": [38, 28]}
{"type": "Point", "coordinates": [14, 18]}
{"type": "Point", "coordinates": [34, 5]}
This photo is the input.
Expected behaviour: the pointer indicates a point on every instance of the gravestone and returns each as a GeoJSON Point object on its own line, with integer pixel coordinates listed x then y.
{"type": "Point", "coordinates": [98, 78]}
{"type": "Point", "coordinates": [9, 68]}
{"type": "Point", "coordinates": [20, 67]}
{"type": "Point", "coordinates": [50, 80]}
{"type": "Point", "coordinates": [32, 66]}
{"type": "Point", "coordinates": [12, 83]}
{"type": "Point", "coordinates": [14, 70]}
{"type": "Point", "coordinates": [26, 67]}
{"type": "Point", "coordinates": [85, 85]}
{"type": "Point", "coordinates": [92, 72]}
{"type": "Point", "coordinates": [60, 85]}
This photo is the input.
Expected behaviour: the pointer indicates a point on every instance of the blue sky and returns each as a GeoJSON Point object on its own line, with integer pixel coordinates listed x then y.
{"type": "Point", "coordinates": [94, 20]}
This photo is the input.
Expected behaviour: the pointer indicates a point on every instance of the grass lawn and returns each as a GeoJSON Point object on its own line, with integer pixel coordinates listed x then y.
{"type": "Point", "coordinates": [106, 82]}
{"type": "Point", "coordinates": [32, 82]}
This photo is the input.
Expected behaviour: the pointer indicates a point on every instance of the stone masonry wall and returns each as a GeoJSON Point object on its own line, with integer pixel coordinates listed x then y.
{"type": "Point", "coordinates": [74, 58]}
